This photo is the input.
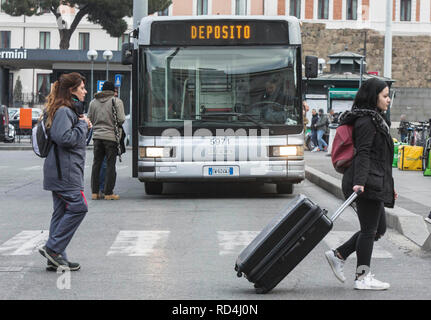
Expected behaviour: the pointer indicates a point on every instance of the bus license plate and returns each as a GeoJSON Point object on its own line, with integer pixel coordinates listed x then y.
{"type": "Point", "coordinates": [221, 171]}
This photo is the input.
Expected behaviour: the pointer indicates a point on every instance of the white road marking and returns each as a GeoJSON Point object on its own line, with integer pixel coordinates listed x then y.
{"type": "Point", "coordinates": [31, 168]}
{"type": "Point", "coordinates": [24, 243]}
{"type": "Point", "coordinates": [232, 242]}
{"type": "Point", "coordinates": [137, 242]}
{"type": "Point", "coordinates": [336, 238]}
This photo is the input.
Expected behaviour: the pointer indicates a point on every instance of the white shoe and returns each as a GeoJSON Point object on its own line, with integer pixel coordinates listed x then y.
{"type": "Point", "coordinates": [315, 149]}
{"type": "Point", "coordinates": [337, 265]}
{"type": "Point", "coordinates": [370, 283]}
{"type": "Point", "coordinates": [427, 219]}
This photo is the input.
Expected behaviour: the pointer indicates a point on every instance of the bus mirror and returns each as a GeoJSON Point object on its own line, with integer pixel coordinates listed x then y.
{"type": "Point", "coordinates": [127, 53]}
{"type": "Point", "coordinates": [311, 66]}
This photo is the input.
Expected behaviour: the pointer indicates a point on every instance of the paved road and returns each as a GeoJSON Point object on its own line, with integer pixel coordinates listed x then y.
{"type": "Point", "coordinates": [181, 245]}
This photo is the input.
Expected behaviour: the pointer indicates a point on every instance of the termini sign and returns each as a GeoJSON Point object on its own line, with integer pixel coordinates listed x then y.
{"type": "Point", "coordinates": [14, 54]}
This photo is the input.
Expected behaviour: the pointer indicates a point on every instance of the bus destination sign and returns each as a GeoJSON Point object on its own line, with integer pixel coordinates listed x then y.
{"type": "Point", "coordinates": [219, 32]}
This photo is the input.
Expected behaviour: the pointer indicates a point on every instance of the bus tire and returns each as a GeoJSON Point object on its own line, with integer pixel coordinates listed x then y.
{"type": "Point", "coordinates": [284, 188]}
{"type": "Point", "coordinates": [153, 187]}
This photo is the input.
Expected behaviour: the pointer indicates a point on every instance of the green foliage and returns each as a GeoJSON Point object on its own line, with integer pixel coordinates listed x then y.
{"type": "Point", "coordinates": [107, 13]}
{"type": "Point", "coordinates": [17, 92]}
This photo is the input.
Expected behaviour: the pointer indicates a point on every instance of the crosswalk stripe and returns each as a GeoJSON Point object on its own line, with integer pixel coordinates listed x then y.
{"type": "Point", "coordinates": [232, 242]}
{"type": "Point", "coordinates": [336, 238]}
{"type": "Point", "coordinates": [24, 243]}
{"type": "Point", "coordinates": [138, 242]}
{"type": "Point", "coordinates": [31, 168]}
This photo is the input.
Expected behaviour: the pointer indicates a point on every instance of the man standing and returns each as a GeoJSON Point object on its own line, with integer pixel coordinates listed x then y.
{"type": "Point", "coordinates": [322, 129]}
{"type": "Point", "coordinates": [105, 141]}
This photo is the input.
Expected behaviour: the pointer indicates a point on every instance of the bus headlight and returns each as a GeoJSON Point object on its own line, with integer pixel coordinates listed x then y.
{"type": "Point", "coordinates": [155, 152]}
{"type": "Point", "coordinates": [285, 151]}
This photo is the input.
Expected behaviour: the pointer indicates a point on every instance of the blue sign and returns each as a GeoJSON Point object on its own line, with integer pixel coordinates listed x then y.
{"type": "Point", "coordinates": [118, 78]}
{"type": "Point", "coordinates": [100, 85]}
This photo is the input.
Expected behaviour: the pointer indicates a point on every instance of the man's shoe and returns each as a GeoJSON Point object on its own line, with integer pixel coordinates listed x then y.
{"type": "Point", "coordinates": [337, 265]}
{"type": "Point", "coordinates": [112, 197]}
{"type": "Point", "coordinates": [96, 196]}
{"type": "Point", "coordinates": [428, 219]}
{"type": "Point", "coordinates": [315, 149]}
{"type": "Point", "coordinates": [55, 258]}
{"type": "Point", "coordinates": [73, 266]}
{"type": "Point", "coordinates": [370, 283]}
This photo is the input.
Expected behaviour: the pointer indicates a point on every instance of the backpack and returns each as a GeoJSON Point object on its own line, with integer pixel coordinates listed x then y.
{"type": "Point", "coordinates": [343, 149]}
{"type": "Point", "coordinates": [40, 139]}
{"type": "Point", "coordinates": [41, 142]}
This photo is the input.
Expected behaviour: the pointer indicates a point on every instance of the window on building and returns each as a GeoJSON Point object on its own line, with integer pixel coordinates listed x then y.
{"type": "Point", "coordinates": [163, 12]}
{"type": "Point", "coordinates": [241, 7]}
{"type": "Point", "coordinates": [4, 39]}
{"type": "Point", "coordinates": [295, 8]}
{"type": "Point", "coordinates": [125, 38]}
{"type": "Point", "coordinates": [406, 10]}
{"type": "Point", "coordinates": [1, 5]}
{"type": "Point", "coordinates": [323, 9]}
{"type": "Point", "coordinates": [45, 40]}
{"type": "Point", "coordinates": [202, 7]}
{"type": "Point", "coordinates": [43, 86]}
{"type": "Point", "coordinates": [84, 41]}
{"type": "Point", "coordinates": [352, 9]}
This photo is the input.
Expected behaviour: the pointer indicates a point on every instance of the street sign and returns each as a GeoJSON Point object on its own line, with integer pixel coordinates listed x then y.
{"type": "Point", "coordinates": [100, 85]}
{"type": "Point", "coordinates": [118, 78]}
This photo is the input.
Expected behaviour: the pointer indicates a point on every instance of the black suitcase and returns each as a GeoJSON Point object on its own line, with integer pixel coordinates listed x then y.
{"type": "Point", "coordinates": [285, 241]}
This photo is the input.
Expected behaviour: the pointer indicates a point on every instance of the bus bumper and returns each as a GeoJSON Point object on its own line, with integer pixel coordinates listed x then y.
{"type": "Point", "coordinates": [292, 171]}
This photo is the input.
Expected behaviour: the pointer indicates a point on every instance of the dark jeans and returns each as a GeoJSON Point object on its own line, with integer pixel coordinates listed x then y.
{"type": "Point", "coordinates": [372, 219]}
{"type": "Point", "coordinates": [102, 149]}
{"type": "Point", "coordinates": [314, 137]}
{"type": "Point", "coordinates": [102, 175]}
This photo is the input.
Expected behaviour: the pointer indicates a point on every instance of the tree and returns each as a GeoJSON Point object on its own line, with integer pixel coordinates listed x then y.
{"type": "Point", "coordinates": [17, 92]}
{"type": "Point", "coordinates": [107, 13]}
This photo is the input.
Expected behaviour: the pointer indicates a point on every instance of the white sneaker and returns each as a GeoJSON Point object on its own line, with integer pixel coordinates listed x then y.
{"type": "Point", "coordinates": [315, 149]}
{"type": "Point", "coordinates": [337, 265]}
{"type": "Point", "coordinates": [370, 283]}
{"type": "Point", "coordinates": [427, 219]}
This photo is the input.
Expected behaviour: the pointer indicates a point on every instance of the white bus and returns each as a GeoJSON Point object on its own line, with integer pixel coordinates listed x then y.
{"type": "Point", "coordinates": [217, 98]}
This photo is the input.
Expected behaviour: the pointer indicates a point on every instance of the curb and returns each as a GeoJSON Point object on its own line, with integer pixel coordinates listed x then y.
{"type": "Point", "coordinates": [410, 225]}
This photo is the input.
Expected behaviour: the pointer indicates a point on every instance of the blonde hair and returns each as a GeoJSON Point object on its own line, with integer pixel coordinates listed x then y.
{"type": "Point", "coordinates": [61, 94]}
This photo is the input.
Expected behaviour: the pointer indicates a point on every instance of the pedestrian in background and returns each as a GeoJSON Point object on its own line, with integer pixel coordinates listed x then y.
{"type": "Point", "coordinates": [333, 116]}
{"type": "Point", "coordinates": [68, 128]}
{"type": "Point", "coordinates": [371, 173]}
{"type": "Point", "coordinates": [314, 118]}
{"type": "Point", "coordinates": [322, 127]}
{"type": "Point", "coordinates": [101, 113]}
{"type": "Point", "coordinates": [402, 129]}
{"type": "Point", "coordinates": [305, 109]}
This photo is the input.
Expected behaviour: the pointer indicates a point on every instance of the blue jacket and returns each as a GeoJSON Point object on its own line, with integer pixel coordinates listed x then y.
{"type": "Point", "coordinates": [69, 134]}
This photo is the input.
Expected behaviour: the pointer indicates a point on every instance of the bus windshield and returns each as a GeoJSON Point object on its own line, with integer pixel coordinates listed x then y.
{"type": "Point", "coordinates": [223, 86]}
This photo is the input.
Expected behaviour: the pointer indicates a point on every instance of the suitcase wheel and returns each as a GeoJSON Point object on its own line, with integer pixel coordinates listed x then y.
{"type": "Point", "coordinates": [239, 274]}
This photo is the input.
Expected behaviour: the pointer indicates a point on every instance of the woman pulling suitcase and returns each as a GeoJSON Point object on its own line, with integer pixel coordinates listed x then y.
{"type": "Point", "coordinates": [370, 172]}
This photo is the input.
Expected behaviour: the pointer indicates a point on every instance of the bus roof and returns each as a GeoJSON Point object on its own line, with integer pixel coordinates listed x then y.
{"type": "Point", "coordinates": [146, 23]}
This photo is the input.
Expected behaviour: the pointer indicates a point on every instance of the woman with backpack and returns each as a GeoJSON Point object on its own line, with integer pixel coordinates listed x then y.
{"type": "Point", "coordinates": [63, 170]}
{"type": "Point", "coordinates": [371, 173]}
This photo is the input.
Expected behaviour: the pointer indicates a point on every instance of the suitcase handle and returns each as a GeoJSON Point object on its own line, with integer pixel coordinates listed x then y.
{"type": "Point", "coordinates": [346, 203]}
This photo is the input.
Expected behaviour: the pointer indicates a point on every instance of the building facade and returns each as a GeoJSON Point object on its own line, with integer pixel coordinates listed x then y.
{"type": "Point", "coordinates": [42, 32]}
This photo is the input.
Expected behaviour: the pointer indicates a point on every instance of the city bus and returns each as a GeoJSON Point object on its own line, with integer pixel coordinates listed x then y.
{"type": "Point", "coordinates": [217, 98]}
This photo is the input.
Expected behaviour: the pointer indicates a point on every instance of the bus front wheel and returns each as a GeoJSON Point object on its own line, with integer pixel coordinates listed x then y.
{"type": "Point", "coordinates": [153, 187]}
{"type": "Point", "coordinates": [284, 188]}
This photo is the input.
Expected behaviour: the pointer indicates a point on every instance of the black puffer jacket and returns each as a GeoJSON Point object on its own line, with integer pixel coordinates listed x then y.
{"type": "Point", "coordinates": [372, 165]}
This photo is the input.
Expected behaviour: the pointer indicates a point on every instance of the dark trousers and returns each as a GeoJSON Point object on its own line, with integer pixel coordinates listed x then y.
{"type": "Point", "coordinates": [372, 219]}
{"type": "Point", "coordinates": [102, 149]}
{"type": "Point", "coordinates": [314, 137]}
{"type": "Point", "coordinates": [70, 208]}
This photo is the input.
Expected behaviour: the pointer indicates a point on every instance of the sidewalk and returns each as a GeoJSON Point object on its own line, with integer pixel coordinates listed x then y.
{"type": "Point", "coordinates": [413, 204]}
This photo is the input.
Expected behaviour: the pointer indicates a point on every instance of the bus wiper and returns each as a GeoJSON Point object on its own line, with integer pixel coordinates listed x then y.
{"type": "Point", "coordinates": [238, 114]}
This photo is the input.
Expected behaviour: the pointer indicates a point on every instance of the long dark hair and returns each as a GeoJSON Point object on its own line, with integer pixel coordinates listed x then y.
{"type": "Point", "coordinates": [368, 93]}
{"type": "Point", "coordinates": [60, 95]}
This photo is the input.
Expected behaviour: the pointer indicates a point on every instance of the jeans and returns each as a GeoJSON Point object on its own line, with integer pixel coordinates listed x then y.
{"type": "Point", "coordinates": [102, 149]}
{"type": "Point", "coordinates": [102, 175]}
{"type": "Point", "coordinates": [314, 137]}
{"type": "Point", "coordinates": [372, 218]}
{"type": "Point", "coordinates": [322, 143]}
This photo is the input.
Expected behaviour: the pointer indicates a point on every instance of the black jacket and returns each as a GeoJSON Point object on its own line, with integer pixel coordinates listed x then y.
{"type": "Point", "coordinates": [372, 164]}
